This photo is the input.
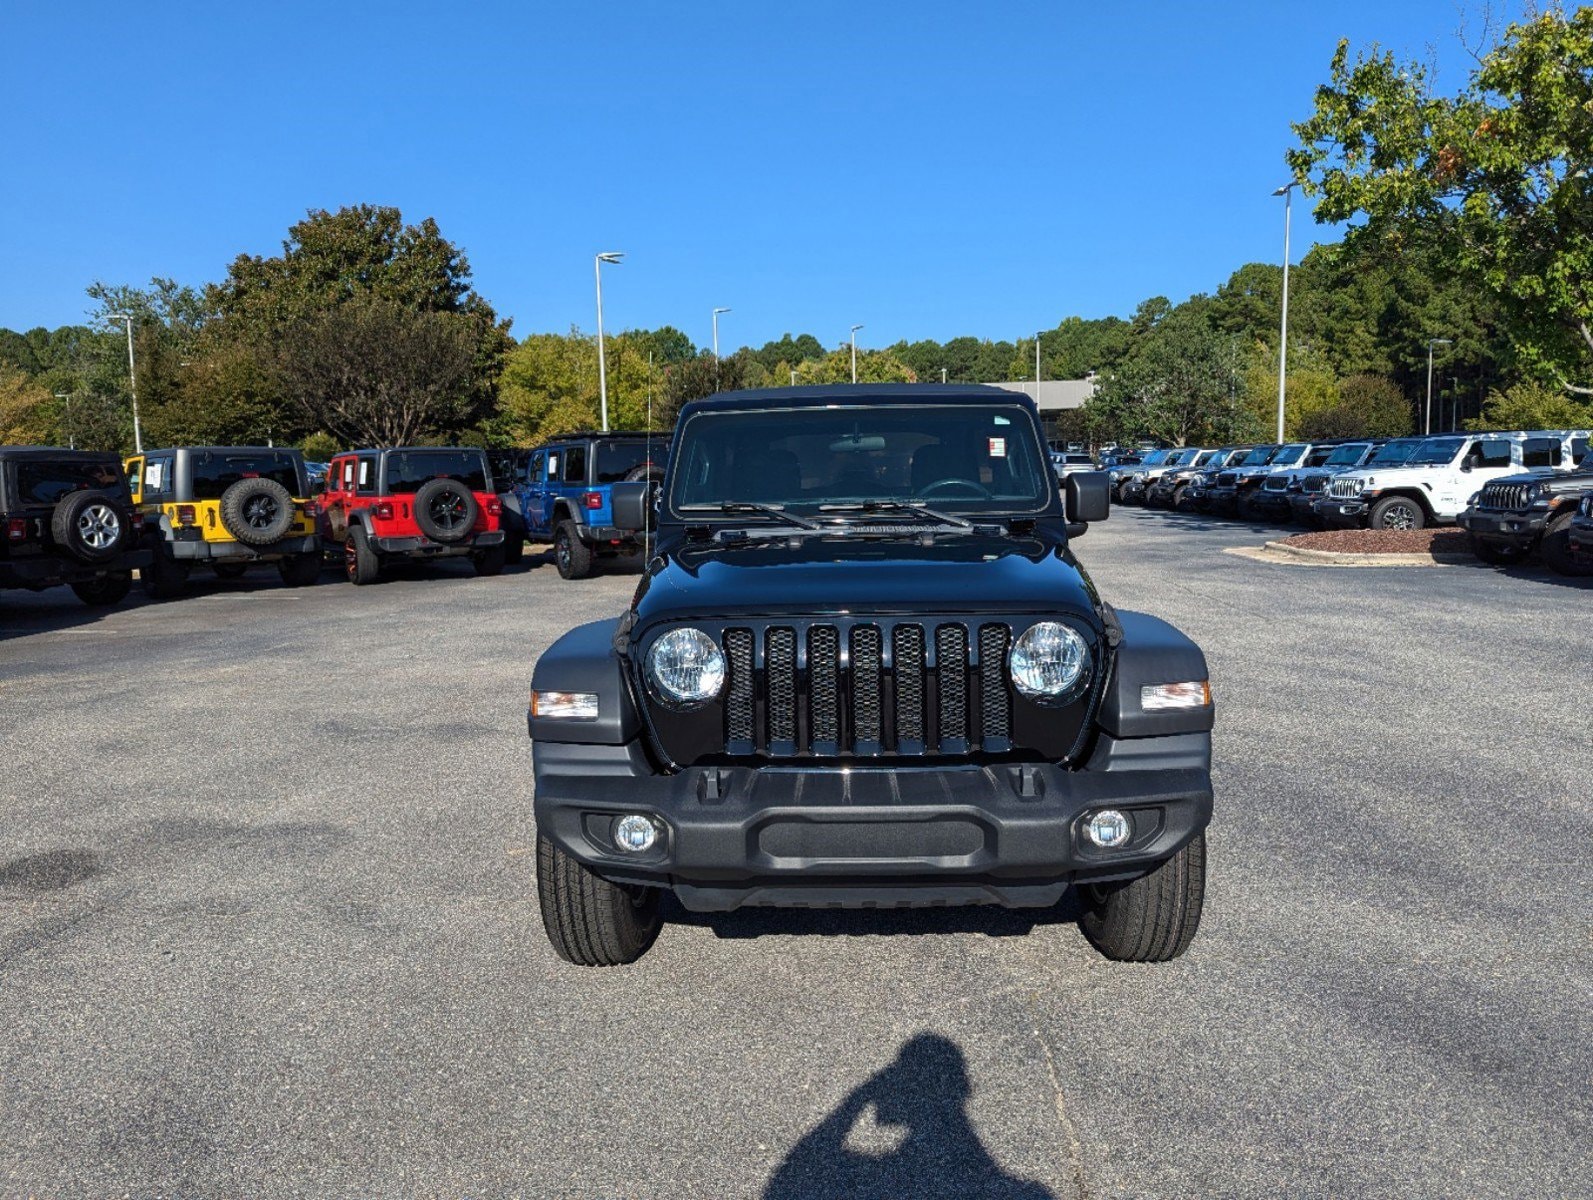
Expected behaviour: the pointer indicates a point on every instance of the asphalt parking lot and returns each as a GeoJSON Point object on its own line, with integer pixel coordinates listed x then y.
{"type": "Point", "coordinates": [268, 926]}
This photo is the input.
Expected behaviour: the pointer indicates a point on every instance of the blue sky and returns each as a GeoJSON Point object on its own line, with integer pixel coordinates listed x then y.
{"type": "Point", "coordinates": [928, 169]}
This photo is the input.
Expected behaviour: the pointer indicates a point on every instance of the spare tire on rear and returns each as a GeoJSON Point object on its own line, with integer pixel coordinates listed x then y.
{"type": "Point", "coordinates": [257, 511]}
{"type": "Point", "coordinates": [445, 510]}
{"type": "Point", "coordinates": [90, 526]}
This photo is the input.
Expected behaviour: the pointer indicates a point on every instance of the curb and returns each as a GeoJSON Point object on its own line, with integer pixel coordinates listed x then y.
{"type": "Point", "coordinates": [1301, 556]}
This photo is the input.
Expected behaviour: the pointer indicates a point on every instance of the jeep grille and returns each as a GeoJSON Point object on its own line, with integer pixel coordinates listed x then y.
{"type": "Point", "coordinates": [868, 688]}
{"type": "Point", "coordinates": [1344, 489]}
{"type": "Point", "coordinates": [1508, 496]}
{"type": "Point", "coordinates": [1276, 483]}
{"type": "Point", "coordinates": [1313, 483]}
{"type": "Point", "coordinates": [1227, 479]}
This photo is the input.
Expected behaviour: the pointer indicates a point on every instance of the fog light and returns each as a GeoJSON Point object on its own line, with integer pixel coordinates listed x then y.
{"type": "Point", "coordinates": [1108, 828]}
{"type": "Point", "coordinates": [635, 833]}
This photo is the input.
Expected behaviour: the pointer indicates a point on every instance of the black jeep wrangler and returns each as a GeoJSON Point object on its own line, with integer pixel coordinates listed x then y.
{"type": "Point", "coordinates": [68, 518]}
{"type": "Point", "coordinates": [864, 668]}
{"type": "Point", "coordinates": [1513, 516]}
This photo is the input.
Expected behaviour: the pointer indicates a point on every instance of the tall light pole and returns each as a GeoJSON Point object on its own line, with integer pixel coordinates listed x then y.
{"type": "Point", "coordinates": [613, 257]}
{"type": "Point", "coordinates": [942, 374]}
{"type": "Point", "coordinates": [1287, 192]}
{"type": "Point", "coordinates": [1427, 422]}
{"type": "Point", "coordinates": [132, 377]}
{"type": "Point", "coordinates": [1037, 368]}
{"type": "Point", "coordinates": [71, 442]}
{"type": "Point", "coordinates": [717, 311]}
{"type": "Point", "coordinates": [855, 328]}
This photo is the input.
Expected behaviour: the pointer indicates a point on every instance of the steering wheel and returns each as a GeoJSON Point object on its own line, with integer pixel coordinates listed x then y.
{"type": "Point", "coordinates": [973, 486]}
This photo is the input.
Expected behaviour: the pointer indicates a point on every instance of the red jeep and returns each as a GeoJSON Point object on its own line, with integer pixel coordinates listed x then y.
{"type": "Point", "coordinates": [411, 502]}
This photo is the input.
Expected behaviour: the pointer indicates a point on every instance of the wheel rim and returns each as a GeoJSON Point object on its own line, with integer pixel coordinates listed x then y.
{"type": "Point", "coordinates": [561, 548]}
{"type": "Point", "coordinates": [448, 510]}
{"type": "Point", "coordinates": [351, 558]}
{"type": "Point", "coordinates": [1399, 516]}
{"type": "Point", "coordinates": [259, 512]}
{"type": "Point", "coordinates": [99, 527]}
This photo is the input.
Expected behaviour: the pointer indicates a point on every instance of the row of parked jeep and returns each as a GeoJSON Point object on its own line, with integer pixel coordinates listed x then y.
{"type": "Point", "coordinates": [1516, 492]}
{"type": "Point", "coordinates": [89, 520]}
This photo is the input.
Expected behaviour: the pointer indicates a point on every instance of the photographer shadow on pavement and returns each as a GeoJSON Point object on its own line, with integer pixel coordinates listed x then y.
{"type": "Point", "coordinates": [922, 1099]}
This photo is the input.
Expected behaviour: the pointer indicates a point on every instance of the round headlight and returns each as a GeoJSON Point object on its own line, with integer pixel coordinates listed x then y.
{"type": "Point", "coordinates": [1048, 659]}
{"type": "Point", "coordinates": [685, 667]}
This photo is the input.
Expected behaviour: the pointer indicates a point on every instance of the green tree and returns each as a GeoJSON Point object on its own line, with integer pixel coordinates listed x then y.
{"type": "Point", "coordinates": [550, 386]}
{"type": "Point", "coordinates": [1361, 406]}
{"type": "Point", "coordinates": [27, 415]}
{"type": "Point", "coordinates": [873, 366]}
{"type": "Point", "coordinates": [1532, 406]}
{"type": "Point", "coordinates": [1493, 180]}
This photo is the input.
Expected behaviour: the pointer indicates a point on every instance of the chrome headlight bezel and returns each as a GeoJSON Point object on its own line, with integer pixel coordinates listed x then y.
{"type": "Point", "coordinates": [1048, 662]}
{"type": "Point", "coordinates": [689, 649]}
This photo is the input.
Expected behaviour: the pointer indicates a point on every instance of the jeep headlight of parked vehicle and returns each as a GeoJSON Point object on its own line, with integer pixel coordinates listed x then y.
{"type": "Point", "coordinates": [1047, 660]}
{"type": "Point", "coordinates": [685, 668]}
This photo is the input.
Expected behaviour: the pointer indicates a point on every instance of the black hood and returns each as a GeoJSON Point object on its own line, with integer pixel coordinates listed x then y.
{"type": "Point", "coordinates": [851, 574]}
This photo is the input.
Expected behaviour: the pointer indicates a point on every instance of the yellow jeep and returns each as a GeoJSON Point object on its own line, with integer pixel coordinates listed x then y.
{"type": "Point", "coordinates": [225, 507]}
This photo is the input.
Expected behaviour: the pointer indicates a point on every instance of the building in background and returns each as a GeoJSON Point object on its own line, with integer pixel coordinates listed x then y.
{"type": "Point", "coordinates": [1056, 399]}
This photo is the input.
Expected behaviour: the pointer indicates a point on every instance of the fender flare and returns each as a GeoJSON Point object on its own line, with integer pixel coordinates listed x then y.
{"type": "Point", "coordinates": [1151, 651]}
{"type": "Point", "coordinates": [585, 660]}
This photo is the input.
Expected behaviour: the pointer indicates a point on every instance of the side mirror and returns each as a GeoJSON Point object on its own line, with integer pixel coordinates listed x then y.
{"type": "Point", "coordinates": [630, 502]}
{"type": "Point", "coordinates": [1087, 496]}
{"type": "Point", "coordinates": [1465, 464]}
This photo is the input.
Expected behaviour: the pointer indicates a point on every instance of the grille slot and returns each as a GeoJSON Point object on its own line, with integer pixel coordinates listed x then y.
{"type": "Point", "coordinates": [1227, 479]}
{"type": "Point", "coordinates": [867, 723]}
{"type": "Point", "coordinates": [951, 672]}
{"type": "Point", "coordinates": [1344, 489]}
{"type": "Point", "coordinates": [1510, 497]}
{"type": "Point", "coordinates": [738, 702]}
{"type": "Point", "coordinates": [908, 658]}
{"type": "Point", "coordinates": [1313, 483]}
{"type": "Point", "coordinates": [1276, 483]}
{"type": "Point", "coordinates": [824, 687]}
{"type": "Point", "coordinates": [995, 705]}
{"type": "Point", "coordinates": [780, 664]}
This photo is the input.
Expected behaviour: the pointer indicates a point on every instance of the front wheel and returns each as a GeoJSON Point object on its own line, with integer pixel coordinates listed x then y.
{"type": "Point", "coordinates": [301, 570]}
{"type": "Point", "coordinates": [1555, 549]}
{"type": "Point", "coordinates": [489, 561]}
{"type": "Point", "coordinates": [572, 554]}
{"type": "Point", "coordinates": [360, 563]}
{"type": "Point", "coordinates": [590, 921]}
{"type": "Point", "coordinates": [1397, 512]}
{"type": "Point", "coordinates": [1152, 918]}
{"type": "Point", "coordinates": [1497, 555]}
{"type": "Point", "coordinates": [164, 577]}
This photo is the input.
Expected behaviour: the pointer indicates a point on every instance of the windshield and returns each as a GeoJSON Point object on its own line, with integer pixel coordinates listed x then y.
{"type": "Point", "coordinates": [1182, 458]}
{"type": "Point", "coordinates": [1436, 451]}
{"type": "Point", "coordinates": [407, 470]}
{"type": "Point", "coordinates": [1289, 454]}
{"type": "Point", "coordinates": [215, 473]}
{"type": "Point", "coordinates": [44, 482]}
{"type": "Point", "coordinates": [1259, 456]}
{"type": "Point", "coordinates": [1153, 459]}
{"type": "Point", "coordinates": [1346, 455]}
{"type": "Point", "coordinates": [1393, 452]}
{"type": "Point", "coordinates": [616, 460]}
{"type": "Point", "coordinates": [969, 457]}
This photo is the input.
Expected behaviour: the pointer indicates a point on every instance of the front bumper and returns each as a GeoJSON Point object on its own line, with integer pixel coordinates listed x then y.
{"type": "Point", "coordinates": [198, 550]}
{"type": "Point", "coordinates": [1504, 528]}
{"type": "Point", "coordinates": [1269, 504]}
{"type": "Point", "coordinates": [1331, 510]}
{"type": "Point", "coordinates": [797, 836]}
{"type": "Point", "coordinates": [1133, 493]}
{"type": "Point", "coordinates": [51, 570]}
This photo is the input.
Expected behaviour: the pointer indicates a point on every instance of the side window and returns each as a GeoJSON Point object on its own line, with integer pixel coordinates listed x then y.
{"type": "Point", "coordinates": [158, 478]}
{"type": "Point", "coordinates": [1579, 451]}
{"type": "Point", "coordinates": [1540, 452]}
{"type": "Point", "coordinates": [1491, 452]}
{"type": "Point", "coordinates": [535, 473]}
{"type": "Point", "coordinates": [554, 458]}
{"type": "Point", "coordinates": [135, 479]}
{"type": "Point", "coordinates": [366, 479]}
{"type": "Point", "coordinates": [575, 465]}
{"type": "Point", "coordinates": [345, 470]}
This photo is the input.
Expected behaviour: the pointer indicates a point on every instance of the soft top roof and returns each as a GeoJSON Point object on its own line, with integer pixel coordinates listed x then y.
{"type": "Point", "coordinates": [406, 449]}
{"type": "Point", "coordinates": [291, 450]}
{"type": "Point", "coordinates": [60, 452]}
{"type": "Point", "coordinates": [824, 395]}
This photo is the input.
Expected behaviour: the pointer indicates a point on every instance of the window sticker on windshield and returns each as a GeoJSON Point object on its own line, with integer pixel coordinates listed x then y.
{"type": "Point", "coordinates": [152, 475]}
{"type": "Point", "coordinates": [998, 447]}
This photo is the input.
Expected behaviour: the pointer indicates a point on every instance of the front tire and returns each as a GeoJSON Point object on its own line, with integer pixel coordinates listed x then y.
{"type": "Point", "coordinates": [590, 921]}
{"type": "Point", "coordinates": [301, 570]}
{"type": "Point", "coordinates": [1555, 548]}
{"type": "Point", "coordinates": [1152, 918]}
{"type": "Point", "coordinates": [164, 578]}
{"type": "Point", "coordinates": [105, 591]}
{"type": "Point", "coordinates": [1496, 555]}
{"type": "Point", "coordinates": [572, 554]}
{"type": "Point", "coordinates": [490, 561]}
{"type": "Point", "coordinates": [1397, 513]}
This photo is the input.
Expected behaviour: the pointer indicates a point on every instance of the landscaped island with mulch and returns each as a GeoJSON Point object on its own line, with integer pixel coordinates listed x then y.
{"type": "Point", "coordinates": [1441, 543]}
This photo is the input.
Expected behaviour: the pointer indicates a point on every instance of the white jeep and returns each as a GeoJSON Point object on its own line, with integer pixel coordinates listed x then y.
{"type": "Point", "coordinates": [1434, 485]}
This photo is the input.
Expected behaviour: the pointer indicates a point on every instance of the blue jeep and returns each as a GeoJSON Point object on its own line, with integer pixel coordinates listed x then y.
{"type": "Point", "coordinates": [562, 494]}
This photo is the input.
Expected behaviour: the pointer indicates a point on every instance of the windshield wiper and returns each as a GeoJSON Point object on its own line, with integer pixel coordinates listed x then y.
{"type": "Point", "coordinates": [902, 506]}
{"type": "Point", "coordinates": [746, 506]}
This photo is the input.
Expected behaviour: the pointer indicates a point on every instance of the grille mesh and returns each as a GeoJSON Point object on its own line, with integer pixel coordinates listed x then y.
{"type": "Point", "coordinates": [781, 667]}
{"type": "Point", "coordinates": [866, 664]}
{"type": "Point", "coordinates": [908, 653]}
{"type": "Point", "coordinates": [738, 706]}
{"type": "Point", "coordinates": [1507, 496]}
{"type": "Point", "coordinates": [994, 703]}
{"type": "Point", "coordinates": [824, 664]}
{"type": "Point", "coordinates": [951, 655]}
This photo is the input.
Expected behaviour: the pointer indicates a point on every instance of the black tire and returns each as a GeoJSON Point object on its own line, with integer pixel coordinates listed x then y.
{"type": "Point", "coordinates": [1152, 918]}
{"type": "Point", "coordinates": [301, 570]}
{"type": "Point", "coordinates": [360, 563]}
{"type": "Point", "coordinates": [645, 471]}
{"type": "Point", "coordinates": [590, 921]}
{"type": "Point", "coordinates": [257, 511]}
{"type": "Point", "coordinates": [513, 549]}
{"type": "Point", "coordinates": [1497, 555]}
{"type": "Point", "coordinates": [229, 570]}
{"type": "Point", "coordinates": [1178, 498]}
{"type": "Point", "coordinates": [90, 526]}
{"type": "Point", "coordinates": [1244, 509]}
{"type": "Point", "coordinates": [445, 510]}
{"type": "Point", "coordinates": [489, 561]}
{"type": "Point", "coordinates": [106, 590]}
{"type": "Point", "coordinates": [1397, 512]}
{"type": "Point", "coordinates": [164, 578]}
{"type": "Point", "coordinates": [572, 554]}
{"type": "Point", "coordinates": [1555, 548]}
